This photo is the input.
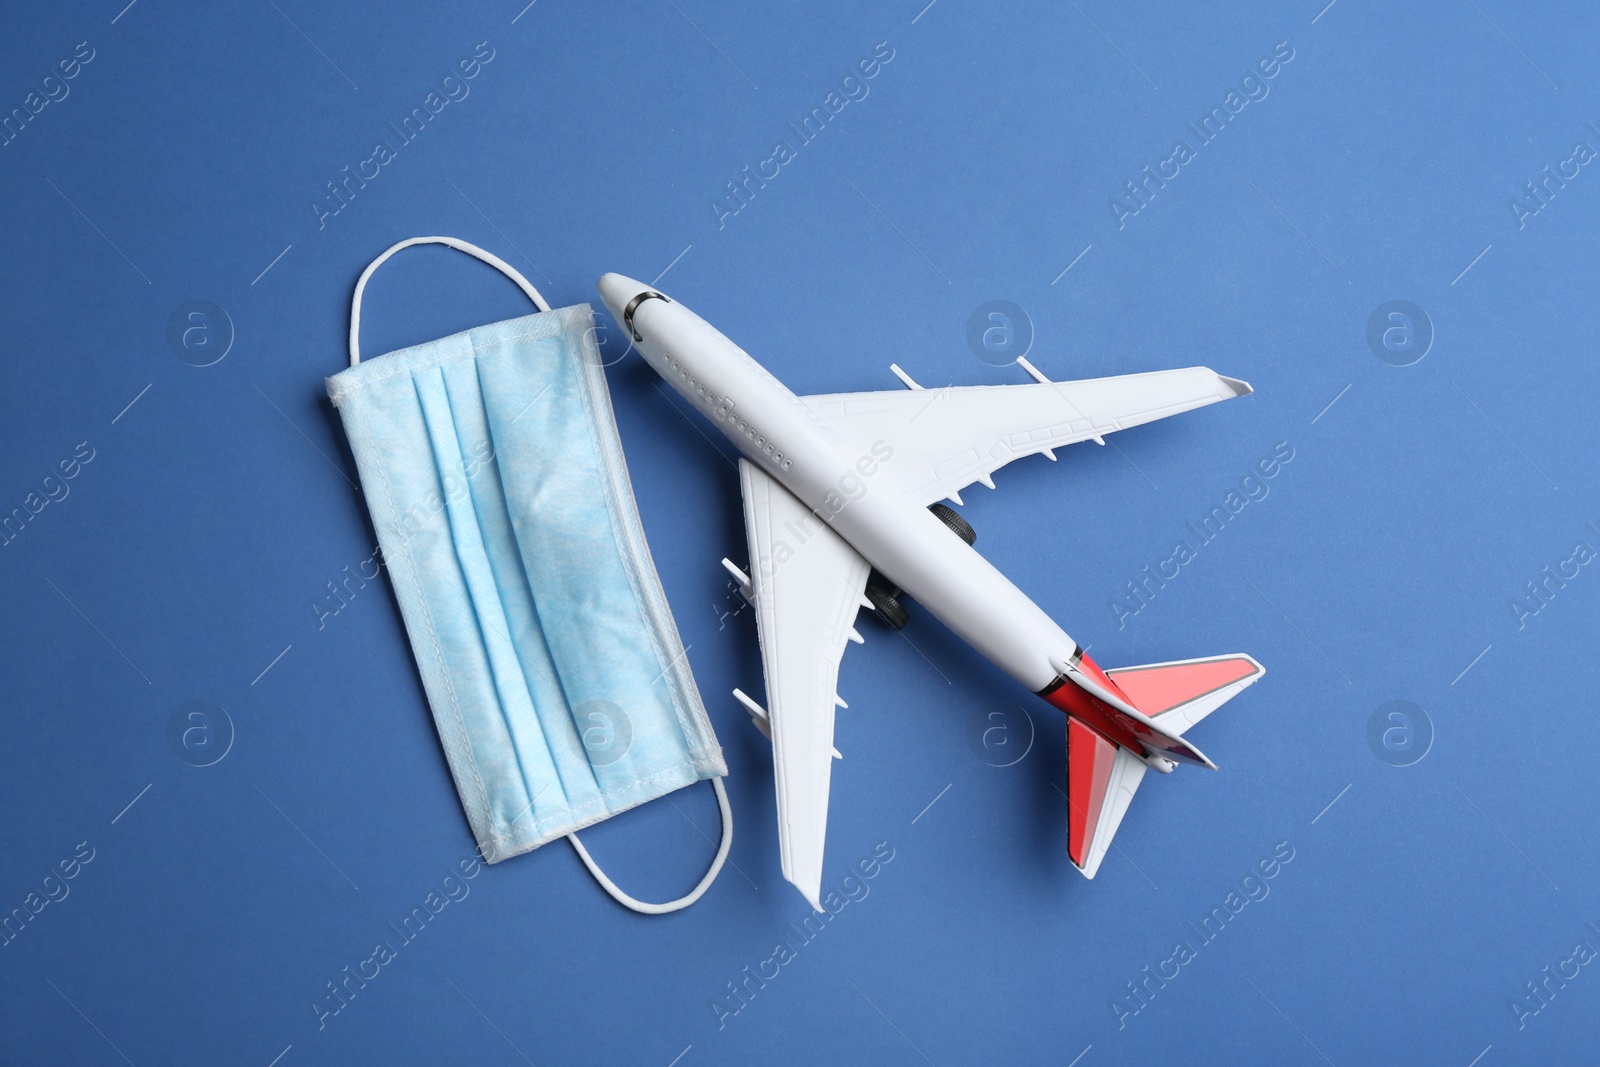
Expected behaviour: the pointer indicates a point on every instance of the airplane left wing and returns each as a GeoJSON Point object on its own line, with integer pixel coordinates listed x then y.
{"type": "Point", "coordinates": [946, 439]}
{"type": "Point", "coordinates": [807, 587]}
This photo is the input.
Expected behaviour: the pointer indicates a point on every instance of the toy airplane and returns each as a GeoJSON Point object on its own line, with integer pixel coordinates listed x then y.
{"type": "Point", "coordinates": [841, 485]}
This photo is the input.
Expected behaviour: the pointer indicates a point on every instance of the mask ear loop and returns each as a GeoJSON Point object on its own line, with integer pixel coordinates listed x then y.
{"type": "Point", "coordinates": [454, 242]}
{"type": "Point", "coordinates": [682, 902]}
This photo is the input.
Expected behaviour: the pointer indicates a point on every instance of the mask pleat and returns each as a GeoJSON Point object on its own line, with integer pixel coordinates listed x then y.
{"type": "Point", "coordinates": [389, 437]}
{"type": "Point", "coordinates": [549, 728]}
{"type": "Point", "coordinates": [613, 673]}
{"type": "Point", "coordinates": [531, 755]}
{"type": "Point", "coordinates": [587, 737]}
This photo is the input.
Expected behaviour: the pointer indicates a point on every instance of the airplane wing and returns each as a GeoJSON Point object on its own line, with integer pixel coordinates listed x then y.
{"type": "Point", "coordinates": [946, 439]}
{"type": "Point", "coordinates": [807, 586]}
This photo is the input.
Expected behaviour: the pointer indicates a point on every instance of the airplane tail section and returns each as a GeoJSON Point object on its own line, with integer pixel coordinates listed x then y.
{"type": "Point", "coordinates": [1102, 776]}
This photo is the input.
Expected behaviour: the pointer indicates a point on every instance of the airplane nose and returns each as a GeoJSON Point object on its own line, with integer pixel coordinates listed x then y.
{"type": "Point", "coordinates": [618, 291]}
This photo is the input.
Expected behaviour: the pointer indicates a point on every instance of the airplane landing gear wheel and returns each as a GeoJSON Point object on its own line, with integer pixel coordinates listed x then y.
{"type": "Point", "coordinates": [952, 518]}
{"type": "Point", "coordinates": [887, 607]}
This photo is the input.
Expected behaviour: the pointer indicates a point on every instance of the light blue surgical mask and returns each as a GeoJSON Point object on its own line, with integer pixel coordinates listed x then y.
{"type": "Point", "coordinates": [495, 478]}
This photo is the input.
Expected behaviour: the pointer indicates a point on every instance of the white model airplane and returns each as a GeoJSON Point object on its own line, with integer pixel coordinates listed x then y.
{"type": "Point", "coordinates": [839, 485]}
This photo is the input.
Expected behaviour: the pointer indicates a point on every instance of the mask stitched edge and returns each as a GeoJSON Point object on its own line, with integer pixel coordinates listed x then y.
{"type": "Point", "coordinates": [407, 360]}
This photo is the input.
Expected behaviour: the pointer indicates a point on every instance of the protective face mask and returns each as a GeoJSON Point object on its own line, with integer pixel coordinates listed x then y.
{"type": "Point", "coordinates": [495, 478]}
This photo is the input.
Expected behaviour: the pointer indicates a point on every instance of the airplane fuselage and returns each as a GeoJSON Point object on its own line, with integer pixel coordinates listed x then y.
{"type": "Point", "coordinates": [843, 484]}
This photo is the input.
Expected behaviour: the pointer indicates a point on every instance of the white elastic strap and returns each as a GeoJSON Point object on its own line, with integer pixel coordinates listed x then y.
{"type": "Point", "coordinates": [682, 902]}
{"type": "Point", "coordinates": [454, 242]}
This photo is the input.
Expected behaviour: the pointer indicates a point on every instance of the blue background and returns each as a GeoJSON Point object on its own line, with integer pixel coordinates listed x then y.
{"type": "Point", "coordinates": [187, 560]}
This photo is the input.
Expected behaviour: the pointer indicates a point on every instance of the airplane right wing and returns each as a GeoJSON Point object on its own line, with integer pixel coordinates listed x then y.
{"type": "Point", "coordinates": [946, 439]}
{"type": "Point", "coordinates": [807, 587]}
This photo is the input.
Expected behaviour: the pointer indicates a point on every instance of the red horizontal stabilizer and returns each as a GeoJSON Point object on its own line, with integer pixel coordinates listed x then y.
{"type": "Point", "coordinates": [1158, 687]}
